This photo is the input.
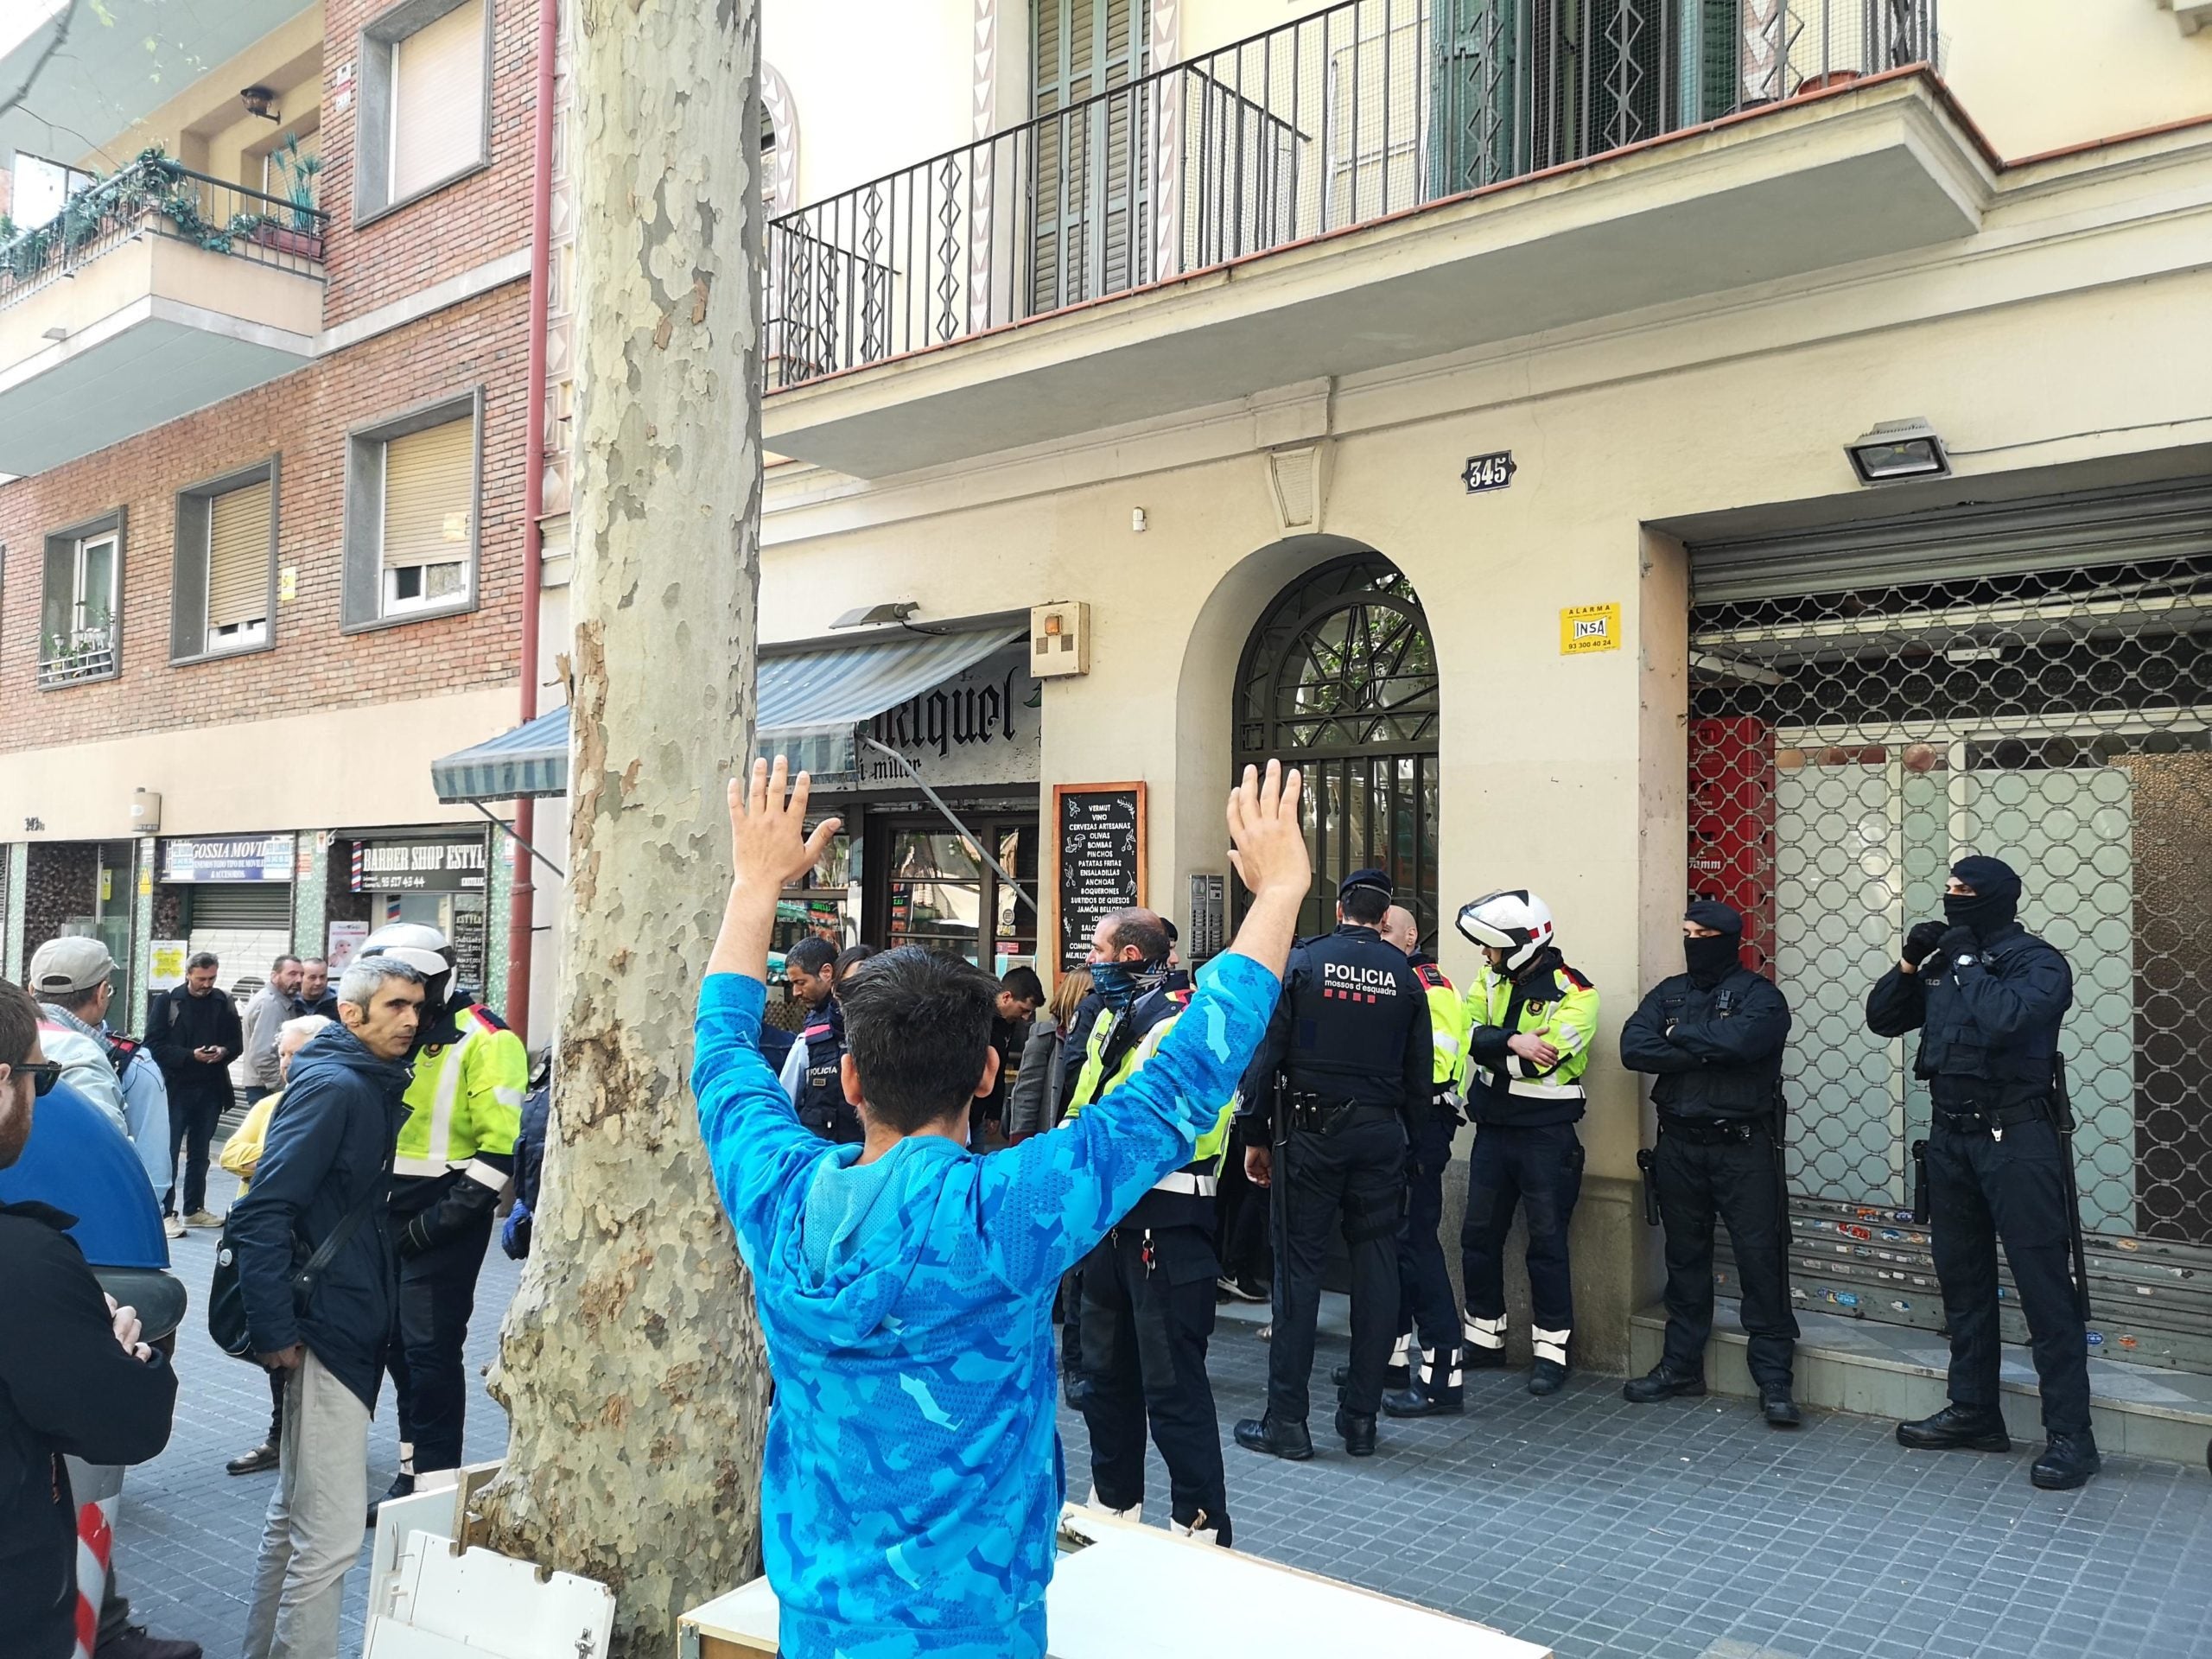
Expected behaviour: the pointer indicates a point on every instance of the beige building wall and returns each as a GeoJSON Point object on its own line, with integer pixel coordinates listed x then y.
{"type": "Point", "coordinates": [207, 128]}
{"type": "Point", "coordinates": [1566, 774]}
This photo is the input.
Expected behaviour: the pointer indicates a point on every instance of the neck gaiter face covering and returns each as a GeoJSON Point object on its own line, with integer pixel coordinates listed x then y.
{"type": "Point", "coordinates": [1710, 961]}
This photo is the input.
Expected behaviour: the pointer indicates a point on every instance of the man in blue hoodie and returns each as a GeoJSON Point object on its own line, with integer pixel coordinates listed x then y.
{"type": "Point", "coordinates": [912, 1479]}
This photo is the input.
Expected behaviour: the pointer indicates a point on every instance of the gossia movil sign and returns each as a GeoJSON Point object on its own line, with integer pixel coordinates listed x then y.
{"type": "Point", "coordinates": [980, 727]}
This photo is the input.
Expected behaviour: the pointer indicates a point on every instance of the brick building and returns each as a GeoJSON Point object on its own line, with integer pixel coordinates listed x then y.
{"type": "Point", "coordinates": [265, 394]}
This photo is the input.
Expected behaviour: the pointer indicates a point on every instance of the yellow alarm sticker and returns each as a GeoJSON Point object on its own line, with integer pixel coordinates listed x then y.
{"type": "Point", "coordinates": [1584, 629]}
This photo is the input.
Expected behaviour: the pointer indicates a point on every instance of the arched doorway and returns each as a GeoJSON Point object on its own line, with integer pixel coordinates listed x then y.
{"type": "Point", "coordinates": [1339, 679]}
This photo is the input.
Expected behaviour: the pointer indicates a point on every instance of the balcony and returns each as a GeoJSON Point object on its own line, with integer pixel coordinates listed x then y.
{"type": "Point", "coordinates": [1360, 188]}
{"type": "Point", "coordinates": [155, 292]}
{"type": "Point", "coordinates": [86, 653]}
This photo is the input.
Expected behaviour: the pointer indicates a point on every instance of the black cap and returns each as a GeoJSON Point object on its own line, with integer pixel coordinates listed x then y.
{"type": "Point", "coordinates": [1366, 879]}
{"type": "Point", "coordinates": [1711, 912]}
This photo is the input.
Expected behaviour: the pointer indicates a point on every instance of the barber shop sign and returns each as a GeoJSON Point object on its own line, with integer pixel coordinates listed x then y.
{"type": "Point", "coordinates": [980, 727]}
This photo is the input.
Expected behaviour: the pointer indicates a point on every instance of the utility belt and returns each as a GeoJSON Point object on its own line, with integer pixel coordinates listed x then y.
{"type": "Point", "coordinates": [1714, 1131]}
{"type": "Point", "coordinates": [1315, 1114]}
{"type": "Point", "coordinates": [1992, 1121]}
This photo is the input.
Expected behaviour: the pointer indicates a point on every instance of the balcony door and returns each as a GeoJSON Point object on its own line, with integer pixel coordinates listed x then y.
{"type": "Point", "coordinates": [1087, 165]}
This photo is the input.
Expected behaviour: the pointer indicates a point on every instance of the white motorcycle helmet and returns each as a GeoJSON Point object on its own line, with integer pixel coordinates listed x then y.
{"type": "Point", "coordinates": [422, 948]}
{"type": "Point", "coordinates": [1516, 922]}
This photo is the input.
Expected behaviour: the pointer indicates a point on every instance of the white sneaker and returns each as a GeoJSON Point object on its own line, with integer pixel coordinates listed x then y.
{"type": "Point", "coordinates": [173, 1226]}
{"type": "Point", "coordinates": [1094, 1502]}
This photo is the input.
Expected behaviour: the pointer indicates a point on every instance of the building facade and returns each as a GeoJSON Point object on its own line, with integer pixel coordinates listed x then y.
{"type": "Point", "coordinates": [1453, 397]}
{"type": "Point", "coordinates": [262, 364]}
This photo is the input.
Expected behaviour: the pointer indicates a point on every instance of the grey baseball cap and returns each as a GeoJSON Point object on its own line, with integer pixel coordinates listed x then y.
{"type": "Point", "coordinates": [64, 966]}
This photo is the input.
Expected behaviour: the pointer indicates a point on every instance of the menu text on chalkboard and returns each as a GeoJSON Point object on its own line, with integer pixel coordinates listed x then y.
{"type": "Point", "coordinates": [1098, 838]}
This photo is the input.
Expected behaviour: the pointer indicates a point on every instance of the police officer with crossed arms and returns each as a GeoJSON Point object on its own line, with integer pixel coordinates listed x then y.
{"type": "Point", "coordinates": [1350, 1038]}
{"type": "Point", "coordinates": [1987, 998]}
{"type": "Point", "coordinates": [1712, 1038]}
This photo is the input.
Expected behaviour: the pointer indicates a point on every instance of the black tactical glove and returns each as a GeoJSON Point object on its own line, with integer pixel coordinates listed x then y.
{"type": "Point", "coordinates": [1921, 942]}
{"type": "Point", "coordinates": [1958, 942]}
{"type": "Point", "coordinates": [417, 1237]}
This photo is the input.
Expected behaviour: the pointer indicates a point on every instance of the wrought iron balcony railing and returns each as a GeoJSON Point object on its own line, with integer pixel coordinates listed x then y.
{"type": "Point", "coordinates": [1341, 118]}
{"type": "Point", "coordinates": [157, 196]}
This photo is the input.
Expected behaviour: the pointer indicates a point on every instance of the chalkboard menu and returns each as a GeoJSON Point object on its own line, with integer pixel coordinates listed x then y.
{"type": "Point", "coordinates": [1099, 845]}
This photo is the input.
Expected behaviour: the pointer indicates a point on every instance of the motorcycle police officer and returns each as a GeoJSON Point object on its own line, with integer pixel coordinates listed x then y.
{"type": "Point", "coordinates": [1712, 1038]}
{"type": "Point", "coordinates": [1350, 1036]}
{"type": "Point", "coordinates": [1987, 997]}
{"type": "Point", "coordinates": [1431, 1387]}
{"type": "Point", "coordinates": [1148, 1302]}
{"type": "Point", "coordinates": [454, 1156]}
{"type": "Point", "coordinates": [1530, 1018]}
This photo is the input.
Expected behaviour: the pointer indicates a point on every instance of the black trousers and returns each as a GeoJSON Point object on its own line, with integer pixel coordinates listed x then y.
{"type": "Point", "coordinates": [277, 1407]}
{"type": "Point", "coordinates": [437, 1295]}
{"type": "Point", "coordinates": [1738, 1182]}
{"type": "Point", "coordinates": [1981, 1190]}
{"type": "Point", "coordinates": [1356, 1175]}
{"type": "Point", "coordinates": [1424, 1283]}
{"type": "Point", "coordinates": [193, 1118]}
{"type": "Point", "coordinates": [1539, 1169]}
{"type": "Point", "coordinates": [1148, 1312]}
{"type": "Point", "coordinates": [1241, 1221]}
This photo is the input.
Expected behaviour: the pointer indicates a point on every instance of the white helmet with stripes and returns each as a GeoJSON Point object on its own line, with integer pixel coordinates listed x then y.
{"type": "Point", "coordinates": [1516, 921]}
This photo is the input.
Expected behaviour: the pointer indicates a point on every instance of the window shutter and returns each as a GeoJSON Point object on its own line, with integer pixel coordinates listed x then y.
{"type": "Point", "coordinates": [429, 495]}
{"type": "Point", "coordinates": [238, 557]}
{"type": "Point", "coordinates": [437, 100]}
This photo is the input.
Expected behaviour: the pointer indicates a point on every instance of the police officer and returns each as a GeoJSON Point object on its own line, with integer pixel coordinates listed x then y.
{"type": "Point", "coordinates": [1350, 1037]}
{"type": "Point", "coordinates": [813, 1075]}
{"type": "Point", "coordinates": [1987, 997]}
{"type": "Point", "coordinates": [1530, 1018]}
{"type": "Point", "coordinates": [1712, 1038]}
{"type": "Point", "coordinates": [1431, 1387]}
{"type": "Point", "coordinates": [454, 1156]}
{"type": "Point", "coordinates": [1148, 1303]}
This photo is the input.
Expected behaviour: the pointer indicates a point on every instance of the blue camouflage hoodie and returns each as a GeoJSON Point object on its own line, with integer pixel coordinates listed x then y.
{"type": "Point", "coordinates": [912, 1479]}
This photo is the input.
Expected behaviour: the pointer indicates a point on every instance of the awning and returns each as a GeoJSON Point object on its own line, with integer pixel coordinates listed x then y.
{"type": "Point", "coordinates": [528, 762]}
{"type": "Point", "coordinates": [811, 703]}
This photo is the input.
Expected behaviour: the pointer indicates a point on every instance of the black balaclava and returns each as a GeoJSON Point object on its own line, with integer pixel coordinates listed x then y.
{"type": "Point", "coordinates": [1996, 900]}
{"type": "Point", "coordinates": [1710, 961]}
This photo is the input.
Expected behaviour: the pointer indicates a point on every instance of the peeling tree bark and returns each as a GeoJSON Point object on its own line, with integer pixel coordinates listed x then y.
{"type": "Point", "coordinates": [631, 1360]}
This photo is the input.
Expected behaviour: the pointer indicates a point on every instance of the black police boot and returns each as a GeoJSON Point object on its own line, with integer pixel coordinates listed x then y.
{"type": "Point", "coordinates": [402, 1485]}
{"type": "Point", "coordinates": [1418, 1399]}
{"type": "Point", "coordinates": [1358, 1430]}
{"type": "Point", "coordinates": [1777, 1408]}
{"type": "Point", "coordinates": [1547, 1377]}
{"type": "Point", "coordinates": [2066, 1462]}
{"type": "Point", "coordinates": [1958, 1428]}
{"type": "Point", "coordinates": [1662, 1383]}
{"type": "Point", "coordinates": [1277, 1440]}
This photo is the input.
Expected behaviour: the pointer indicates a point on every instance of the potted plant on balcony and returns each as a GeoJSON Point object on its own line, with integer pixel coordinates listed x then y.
{"type": "Point", "coordinates": [304, 236]}
{"type": "Point", "coordinates": [86, 653]}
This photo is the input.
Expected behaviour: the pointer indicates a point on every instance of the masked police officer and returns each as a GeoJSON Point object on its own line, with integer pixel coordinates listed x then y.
{"type": "Point", "coordinates": [1712, 1038]}
{"type": "Point", "coordinates": [1530, 1018]}
{"type": "Point", "coordinates": [1350, 1037]}
{"type": "Point", "coordinates": [1987, 997]}
{"type": "Point", "coordinates": [1148, 1303]}
{"type": "Point", "coordinates": [454, 1156]}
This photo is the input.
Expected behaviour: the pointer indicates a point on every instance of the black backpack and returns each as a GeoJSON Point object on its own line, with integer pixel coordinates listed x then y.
{"type": "Point", "coordinates": [227, 1300]}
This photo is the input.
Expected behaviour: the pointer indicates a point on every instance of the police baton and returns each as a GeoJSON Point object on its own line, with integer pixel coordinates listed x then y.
{"type": "Point", "coordinates": [1920, 1183]}
{"type": "Point", "coordinates": [2062, 1120]}
{"type": "Point", "coordinates": [1644, 1162]}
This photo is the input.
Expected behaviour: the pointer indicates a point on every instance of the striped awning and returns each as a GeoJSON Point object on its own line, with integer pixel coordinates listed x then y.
{"type": "Point", "coordinates": [811, 704]}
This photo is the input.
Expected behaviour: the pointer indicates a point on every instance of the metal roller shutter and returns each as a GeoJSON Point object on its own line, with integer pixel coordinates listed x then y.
{"type": "Point", "coordinates": [241, 906]}
{"type": "Point", "coordinates": [238, 557]}
{"type": "Point", "coordinates": [2033, 682]}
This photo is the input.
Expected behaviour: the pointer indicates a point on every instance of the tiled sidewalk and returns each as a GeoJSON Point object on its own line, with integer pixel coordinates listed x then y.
{"type": "Point", "coordinates": [1687, 1530]}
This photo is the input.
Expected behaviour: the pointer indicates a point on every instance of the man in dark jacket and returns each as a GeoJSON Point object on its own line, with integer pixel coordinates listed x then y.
{"type": "Point", "coordinates": [1987, 998]}
{"type": "Point", "coordinates": [194, 1033]}
{"type": "Point", "coordinates": [324, 1174]}
{"type": "Point", "coordinates": [1712, 1038]}
{"type": "Point", "coordinates": [75, 1378]}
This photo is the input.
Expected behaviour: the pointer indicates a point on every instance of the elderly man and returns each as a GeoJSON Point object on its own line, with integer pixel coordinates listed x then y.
{"type": "Point", "coordinates": [913, 1480]}
{"type": "Point", "coordinates": [74, 982]}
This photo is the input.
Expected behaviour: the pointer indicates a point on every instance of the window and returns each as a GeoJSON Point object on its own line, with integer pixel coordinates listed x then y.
{"type": "Point", "coordinates": [223, 576]}
{"type": "Point", "coordinates": [425, 71]}
{"type": "Point", "coordinates": [78, 635]}
{"type": "Point", "coordinates": [410, 514]}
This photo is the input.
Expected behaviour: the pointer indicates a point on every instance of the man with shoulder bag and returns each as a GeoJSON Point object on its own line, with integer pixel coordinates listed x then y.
{"type": "Point", "coordinates": [321, 1187]}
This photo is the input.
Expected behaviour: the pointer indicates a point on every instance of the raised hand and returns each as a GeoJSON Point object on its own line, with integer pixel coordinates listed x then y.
{"type": "Point", "coordinates": [767, 826]}
{"type": "Point", "coordinates": [1266, 839]}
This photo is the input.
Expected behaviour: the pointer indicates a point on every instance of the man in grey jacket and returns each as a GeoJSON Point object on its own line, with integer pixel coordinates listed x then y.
{"type": "Point", "coordinates": [270, 1007]}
